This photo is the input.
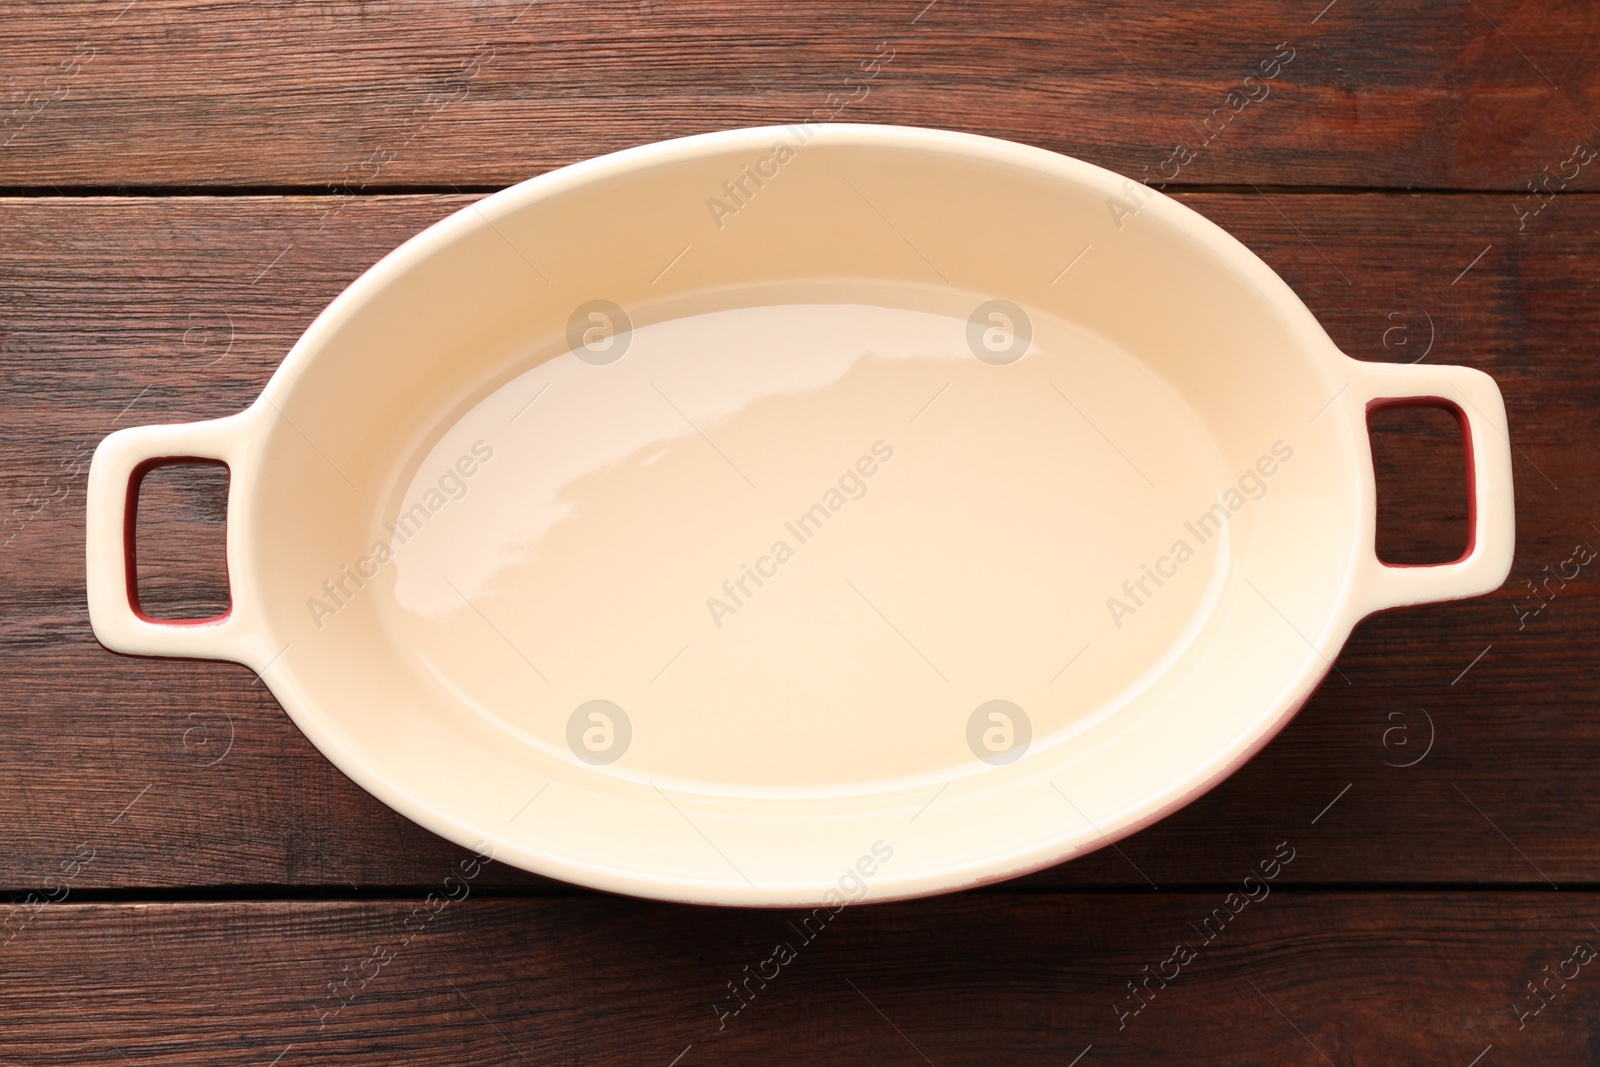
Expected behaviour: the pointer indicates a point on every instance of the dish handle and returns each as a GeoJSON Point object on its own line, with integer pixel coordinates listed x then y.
{"type": "Point", "coordinates": [1474, 399]}
{"type": "Point", "coordinates": [120, 464]}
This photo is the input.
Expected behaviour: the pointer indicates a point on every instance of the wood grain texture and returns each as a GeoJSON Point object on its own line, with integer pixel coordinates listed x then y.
{"type": "Point", "coordinates": [188, 93]}
{"type": "Point", "coordinates": [125, 311]}
{"type": "Point", "coordinates": [1311, 978]}
{"type": "Point", "coordinates": [190, 882]}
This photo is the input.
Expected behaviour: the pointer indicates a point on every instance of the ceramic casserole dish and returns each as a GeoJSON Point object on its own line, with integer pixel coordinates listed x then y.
{"type": "Point", "coordinates": [802, 515]}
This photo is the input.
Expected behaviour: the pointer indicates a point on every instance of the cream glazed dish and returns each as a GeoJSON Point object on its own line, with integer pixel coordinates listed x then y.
{"type": "Point", "coordinates": [802, 515]}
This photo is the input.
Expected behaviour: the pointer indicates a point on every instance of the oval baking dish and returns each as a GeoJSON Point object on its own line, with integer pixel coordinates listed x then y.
{"type": "Point", "coordinates": [800, 515]}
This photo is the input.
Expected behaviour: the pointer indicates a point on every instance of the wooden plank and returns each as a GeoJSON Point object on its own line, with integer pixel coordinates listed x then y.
{"type": "Point", "coordinates": [182, 307]}
{"type": "Point", "coordinates": [1303, 978]}
{"type": "Point", "coordinates": [394, 95]}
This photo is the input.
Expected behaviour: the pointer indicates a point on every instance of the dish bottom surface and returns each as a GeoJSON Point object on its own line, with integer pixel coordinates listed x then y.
{"type": "Point", "coordinates": [805, 546]}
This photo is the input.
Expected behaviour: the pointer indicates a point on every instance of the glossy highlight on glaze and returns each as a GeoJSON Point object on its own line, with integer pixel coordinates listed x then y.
{"type": "Point", "coordinates": [967, 566]}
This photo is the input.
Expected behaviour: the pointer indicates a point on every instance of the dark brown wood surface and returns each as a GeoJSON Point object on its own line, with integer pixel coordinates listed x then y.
{"type": "Point", "coordinates": [189, 875]}
{"type": "Point", "coordinates": [162, 93]}
{"type": "Point", "coordinates": [1301, 978]}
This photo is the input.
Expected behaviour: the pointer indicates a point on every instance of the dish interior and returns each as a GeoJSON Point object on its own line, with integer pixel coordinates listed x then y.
{"type": "Point", "coordinates": [799, 544]}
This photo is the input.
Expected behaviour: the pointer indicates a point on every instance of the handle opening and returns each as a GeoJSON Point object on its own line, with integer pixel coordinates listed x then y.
{"type": "Point", "coordinates": [1419, 490]}
{"type": "Point", "coordinates": [195, 566]}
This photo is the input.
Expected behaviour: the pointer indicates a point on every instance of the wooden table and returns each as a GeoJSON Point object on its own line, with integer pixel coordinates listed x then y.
{"type": "Point", "coordinates": [186, 185]}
